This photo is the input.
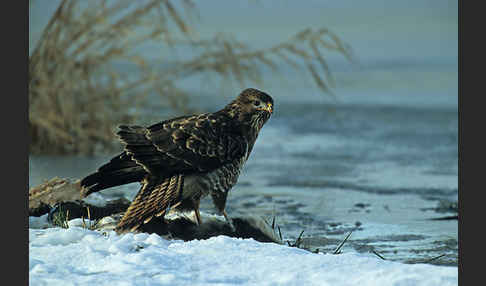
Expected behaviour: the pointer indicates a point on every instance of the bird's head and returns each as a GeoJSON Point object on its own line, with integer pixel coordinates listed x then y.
{"type": "Point", "coordinates": [255, 101]}
{"type": "Point", "coordinates": [252, 106]}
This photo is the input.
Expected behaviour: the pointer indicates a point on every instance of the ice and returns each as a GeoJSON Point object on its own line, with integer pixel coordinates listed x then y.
{"type": "Point", "coordinates": [77, 256]}
{"type": "Point", "coordinates": [392, 175]}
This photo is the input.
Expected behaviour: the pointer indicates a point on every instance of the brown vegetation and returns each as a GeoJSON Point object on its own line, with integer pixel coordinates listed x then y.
{"type": "Point", "coordinates": [77, 96]}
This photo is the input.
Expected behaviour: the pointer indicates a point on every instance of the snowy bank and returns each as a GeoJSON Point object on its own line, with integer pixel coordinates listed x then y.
{"type": "Point", "coordinates": [78, 256]}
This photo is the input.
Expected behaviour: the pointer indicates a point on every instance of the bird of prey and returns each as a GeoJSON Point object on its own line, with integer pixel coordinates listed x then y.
{"type": "Point", "coordinates": [181, 160]}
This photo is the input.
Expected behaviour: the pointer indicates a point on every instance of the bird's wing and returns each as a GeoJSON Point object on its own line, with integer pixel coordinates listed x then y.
{"type": "Point", "coordinates": [198, 143]}
{"type": "Point", "coordinates": [154, 198]}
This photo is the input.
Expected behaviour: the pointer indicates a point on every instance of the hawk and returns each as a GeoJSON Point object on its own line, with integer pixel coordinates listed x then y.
{"type": "Point", "coordinates": [181, 160]}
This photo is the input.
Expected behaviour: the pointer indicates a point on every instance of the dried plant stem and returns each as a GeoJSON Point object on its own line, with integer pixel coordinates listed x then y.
{"type": "Point", "coordinates": [77, 95]}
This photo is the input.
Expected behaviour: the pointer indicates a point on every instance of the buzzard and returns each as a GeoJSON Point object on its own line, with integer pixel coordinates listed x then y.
{"type": "Point", "coordinates": [181, 160]}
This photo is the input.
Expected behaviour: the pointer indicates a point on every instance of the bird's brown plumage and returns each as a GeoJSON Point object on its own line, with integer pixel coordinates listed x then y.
{"type": "Point", "coordinates": [181, 160]}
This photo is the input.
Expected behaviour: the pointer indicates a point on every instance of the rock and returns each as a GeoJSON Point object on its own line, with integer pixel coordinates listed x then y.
{"type": "Point", "coordinates": [45, 196]}
{"type": "Point", "coordinates": [59, 196]}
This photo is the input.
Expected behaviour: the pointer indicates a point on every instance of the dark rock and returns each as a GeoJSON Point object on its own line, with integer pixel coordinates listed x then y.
{"type": "Point", "coordinates": [59, 196]}
{"type": "Point", "coordinates": [79, 209]}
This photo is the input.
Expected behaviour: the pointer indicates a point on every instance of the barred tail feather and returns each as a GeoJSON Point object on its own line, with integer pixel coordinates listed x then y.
{"type": "Point", "coordinates": [153, 200]}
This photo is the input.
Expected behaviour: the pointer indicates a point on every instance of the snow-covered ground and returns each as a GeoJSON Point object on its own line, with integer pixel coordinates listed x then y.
{"type": "Point", "coordinates": [77, 256]}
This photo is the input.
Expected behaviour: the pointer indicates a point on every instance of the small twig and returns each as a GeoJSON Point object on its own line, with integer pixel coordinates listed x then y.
{"type": "Point", "coordinates": [89, 217]}
{"type": "Point", "coordinates": [67, 219]}
{"type": "Point", "coordinates": [454, 217]}
{"type": "Point", "coordinates": [377, 254]}
{"type": "Point", "coordinates": [338, 249]}
{"type": "Point", "coordinates": [433, 258]}
{"type": "Point", "coordinates": [299, 239]}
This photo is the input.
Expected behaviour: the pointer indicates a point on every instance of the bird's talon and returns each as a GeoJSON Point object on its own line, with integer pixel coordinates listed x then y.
{"type": "Point", "coordinates": [229, 221]}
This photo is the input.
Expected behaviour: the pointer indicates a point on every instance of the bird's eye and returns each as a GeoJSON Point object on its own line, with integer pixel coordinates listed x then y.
{"type": "Point", "coordinates": [256, 103]}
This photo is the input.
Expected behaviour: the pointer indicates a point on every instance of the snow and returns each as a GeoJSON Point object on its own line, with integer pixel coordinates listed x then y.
{"type": "Point", "coordinates": [78, 256]}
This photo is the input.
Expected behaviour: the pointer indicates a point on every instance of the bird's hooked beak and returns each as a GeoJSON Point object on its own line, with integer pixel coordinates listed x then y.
{"type": "Point", "coordinates": [268, 108]}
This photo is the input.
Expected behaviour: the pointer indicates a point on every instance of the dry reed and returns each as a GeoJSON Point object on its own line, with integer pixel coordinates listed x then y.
{"type": "Point", "coordinates": [77, 95]}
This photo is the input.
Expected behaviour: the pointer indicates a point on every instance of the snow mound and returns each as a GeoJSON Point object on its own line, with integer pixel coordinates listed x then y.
{"type": "Point", "coordinates": [78, 256]}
